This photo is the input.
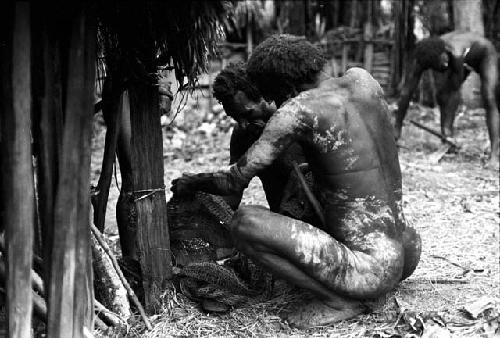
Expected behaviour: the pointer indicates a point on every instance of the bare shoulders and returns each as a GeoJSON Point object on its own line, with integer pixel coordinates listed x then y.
{"type": "Point", "coordinates": [333, 97]}
{"type": "Point", "coordinates": [356, 83]}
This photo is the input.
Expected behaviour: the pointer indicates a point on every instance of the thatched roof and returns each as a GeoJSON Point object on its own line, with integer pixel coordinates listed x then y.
{"type": "Point", "coordinates": [137, 36]}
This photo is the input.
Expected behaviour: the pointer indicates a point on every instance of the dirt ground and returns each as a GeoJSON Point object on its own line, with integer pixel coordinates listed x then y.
{"type": "Point", "coordinates": [450, 199]}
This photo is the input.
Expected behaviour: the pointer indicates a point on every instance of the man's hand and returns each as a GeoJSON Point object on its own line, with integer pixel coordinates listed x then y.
{"type": "Point", "coordinates": [185, 185]}
{"type": "Point", "coordinates": [218, 183]}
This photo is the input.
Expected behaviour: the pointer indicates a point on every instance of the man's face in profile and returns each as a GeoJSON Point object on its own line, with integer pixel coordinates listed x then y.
{"type": "Point", "coordinates": [249, 114]}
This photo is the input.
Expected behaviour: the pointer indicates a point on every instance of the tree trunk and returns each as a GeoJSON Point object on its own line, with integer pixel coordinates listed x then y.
{"type": "Point", "coordinates": [492, 21]}
{"type": "Point", "coordinates": [70, 289]}
{"type": "Point", "coordinates": [17, 170]}
{"type": "Point", "coordinates": [404, 42]}
{"type": "Point", "coordinates": [296, 15]}
{"type": "Point", "coordinates": [467, 16]}
{"type": "Point", "coordinates": [367, 36]}
{"type": "Point", "coordinates": [249, 32]}
{"type": "Point", "coordinates": [354, 14]}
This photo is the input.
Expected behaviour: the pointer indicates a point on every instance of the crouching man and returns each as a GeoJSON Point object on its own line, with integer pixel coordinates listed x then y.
{"type": "Point", "coordinates": [362, 249]}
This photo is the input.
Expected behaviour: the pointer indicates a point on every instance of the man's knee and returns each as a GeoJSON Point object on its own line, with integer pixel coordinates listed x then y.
{"type": "Point", "coordinates": [245, 223]}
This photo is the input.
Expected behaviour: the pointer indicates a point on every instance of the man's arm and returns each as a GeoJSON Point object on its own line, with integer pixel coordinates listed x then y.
{"type": "Point", "coordinates": [239, 144]}
{"type": "Point", "coordinates": [286, 126]}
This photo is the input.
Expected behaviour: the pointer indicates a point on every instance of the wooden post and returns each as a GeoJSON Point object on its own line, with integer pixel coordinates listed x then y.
{"type": "Point", "coordinates": [17, 168]}
{"type": "Point", "coordinates": [86, 25]}
{"type": "Point", "coordinates": [112, 111]}
{"type": "Point", "coordinates": [404, 42]}
{"type": "Point", "coordinates": [249, 31]}
{"type": "Point", "coordinates": [354, 13]}
{"type": "Point", "coordinates": [47, 126]}
{"type": "Point", "coordinates": [336, 13]}
{"type": "Point", "coordinates": [367, 37]}
{"type": "Point", "coordinates": [70, 311]}
{"type": "Point", "coordinates": [468, 16]}
{"type": "Point", "coordinates": [148, 194]}
{"type": "Point", "coordinates": [345, 56]}
{"type": "Point", "coordinates": [296, 15]}
{"type": "Point", "coordinates": [153, 242]}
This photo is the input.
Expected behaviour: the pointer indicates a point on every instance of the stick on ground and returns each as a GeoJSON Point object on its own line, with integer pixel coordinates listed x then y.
{"type": "Point", "coordinates": [108, 316]}
{"type": "Point", "coordinates": [130, 292]}
{"type": "Point", "coordinates": [435, 133]}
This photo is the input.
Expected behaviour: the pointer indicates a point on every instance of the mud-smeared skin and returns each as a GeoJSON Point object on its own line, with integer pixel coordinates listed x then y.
{"type": "Point", "coordinates": [466, 52]}
{"type": "Point", "coordinates": [275, 177]}
{"type": "Point", "coordinates": [344, 131]}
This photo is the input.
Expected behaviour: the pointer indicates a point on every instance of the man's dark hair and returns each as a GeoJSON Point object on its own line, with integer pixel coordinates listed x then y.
{"type": "Point", "coordinates": [428, 52]}
{"type": "Point", "coordinates": [232, 79]}
{"type": "Point", "coordinates": [282, 63]}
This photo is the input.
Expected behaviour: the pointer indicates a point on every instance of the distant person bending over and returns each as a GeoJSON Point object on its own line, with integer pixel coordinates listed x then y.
{"type": "Point", "coordinates": [364, 248]}
{"type": "Point", "coordinates": [456, 54]}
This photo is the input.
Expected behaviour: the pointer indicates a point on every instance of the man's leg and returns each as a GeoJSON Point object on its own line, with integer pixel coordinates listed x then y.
{"type": "Point", "coordinates": [489, 75]}
{"type": "Point", "coordinates": [313, 260]}
{"type": "Point", "coordinates": [449, 101]}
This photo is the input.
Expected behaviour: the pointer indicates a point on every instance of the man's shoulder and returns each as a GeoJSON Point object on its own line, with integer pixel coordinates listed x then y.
{"type": "Point", "coordinates": [362, 82]}
{"type": "Point", "coordinates": [356, 84]}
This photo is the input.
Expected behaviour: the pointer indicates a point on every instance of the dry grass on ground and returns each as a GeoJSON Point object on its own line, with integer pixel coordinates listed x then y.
{"type": "Point", "coordinates": [449, 198]}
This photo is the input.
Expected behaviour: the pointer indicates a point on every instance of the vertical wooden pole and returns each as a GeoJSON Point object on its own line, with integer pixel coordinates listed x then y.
{"type": "Point", "coordinates": [249, 31]}
{"type": "Point", "coordinates": [354, 13]}
{"type": "Point", "coordinates": [368, 36]}
{"type": "Point", "coordinates": [404, 42]}
{"type": "Point", "coordinates": [297, 17]}
{"type": "Point", "coordinates": [148, 195]}
{"type": "Point", "coordinates": [83, 314]}
{"type": "Point", "coordinates": [345, 56]}
{"type": "Point", "coordinates": [47, 128]}
{"type": "Point", "coordinates": [468, 16]}
{"type": "Point", "coordinates": [70, 310]}
{"type": "Point", "coordinates": [153, 242]}
{"type": "Point", "coordinates": [112, 111]}
{"type": "Point", "coordinates": [17, 170]}
{"type": "Point", "coordinates": [336, 13]}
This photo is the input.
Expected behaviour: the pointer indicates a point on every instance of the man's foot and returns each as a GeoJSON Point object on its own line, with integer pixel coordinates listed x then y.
{"type": "Point", "coordinates": [317, 313]}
